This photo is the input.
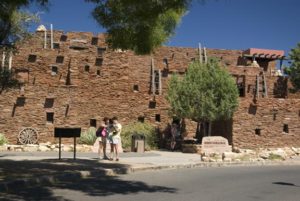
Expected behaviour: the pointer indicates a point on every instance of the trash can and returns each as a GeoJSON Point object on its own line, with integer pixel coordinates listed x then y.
{"type": "Point", "coordinates": [138, 143]}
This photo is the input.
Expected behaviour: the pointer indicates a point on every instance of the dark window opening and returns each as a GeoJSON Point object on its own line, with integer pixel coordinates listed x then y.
{"type": "Point", "coordinates": [241, 89]}
{"type": "Point", "coordinates": [299, 113]}
{"type": "Point", "coordinates": [152, 104]}
{"type": "Point", "coordinates": [193, 59]}
{"type": "Point", "coordinates": [87, 68]}
{"type": "Point", "coordinates": [101, 51]}
{"type": "Point", "coordinates": [98, 72]}
{"type": "Point", "coordinates": [99, 62]}
{"type": "Point", "coordinates": [93, 123]}
{"type": "Point", "coordinates": [49, 102]}
{"type": "Point", "coordinates": [274, 116]}
{"type": "Point", "coordinates": [286, 128]}
{"type": "Point", "coordinates": [63, 38]}
{"type": "Point", "coordinates": [54, 70]}
{"type": "Point", "coordinates": [257, 131]}
{"type": "Point", "coordinates": [135, 87]}
{"type": "Point", "coordinates": [94, 41]}
{"type": "Point", "coordinates": [50, 117]}
{"type": "Point", "coordinates": [165, 60]}
{"type": "Point", "coordinates": [141, 119]}
{"type": "Point", "coordinates": [56, 45]}
{"type": "Point", "coordinates": [60, 59]}
{"type": "Point", "coordinates": [32, 58]}
{"type": "Point", "coordinates": [20, 101]}
{"type": "Point", "coordinates": [157, 117]}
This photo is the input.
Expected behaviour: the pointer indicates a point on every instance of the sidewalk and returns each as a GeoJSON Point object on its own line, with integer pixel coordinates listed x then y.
{"type": "Point", "coordinates": [23, 168]}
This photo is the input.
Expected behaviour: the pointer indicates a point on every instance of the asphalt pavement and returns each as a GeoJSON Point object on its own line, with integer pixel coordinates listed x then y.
{"type": "Point", "coordinates": [266, 183]}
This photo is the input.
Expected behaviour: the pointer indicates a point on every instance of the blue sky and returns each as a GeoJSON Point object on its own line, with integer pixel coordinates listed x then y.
{"type": "Point", "coordinates": [224, 24]}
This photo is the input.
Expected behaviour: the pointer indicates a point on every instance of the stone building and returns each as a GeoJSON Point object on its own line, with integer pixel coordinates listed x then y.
{"type": "Point", "coordinates": [73, 79]}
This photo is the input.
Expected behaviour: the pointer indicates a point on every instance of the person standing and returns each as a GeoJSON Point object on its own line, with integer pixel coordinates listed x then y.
{"type": "Point", "coordinates": [175, 134]}
{"type": "Point", "coordinates": [115, 137]}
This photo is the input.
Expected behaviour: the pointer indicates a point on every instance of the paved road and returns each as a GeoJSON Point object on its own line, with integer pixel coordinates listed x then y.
{"type": "Point", "coordinates": [272, 183]}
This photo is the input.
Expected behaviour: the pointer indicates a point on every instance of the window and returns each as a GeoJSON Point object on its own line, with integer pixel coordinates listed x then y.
{"type": "Point", "coordinates": [50, 117]}
{"type": "Point", "coordinates": [60, 59]}
{"type": "Point", "coordinates": [87, 68]}
{"type": "Point", "coordinates": [93, 123]}
{"type": "Point", "coordinates": [63, 38]}
{"type": "Point", "coordinates": [135, 87]}
{"type": "Point", "coordinates": [101, 51]}
{"type": "Point", "coordinates": [94, 41]}
{"type": "Point", "coordinates": [20, 101]}
{"type": "Point", "coordinates": [165, 61]}
{"type": "Point", "coordinates": [56, 45]}
{"type": "Point", "coordinates": [152, 104]}
{"type": "Point", "coordinates": [193, 59]}
{"type": "Point", "coordinates": [49, 102]}
{"type": "Point", "coordinates": [286, 128]}
{"type": "Point", "coordinates": [54, 70]}
{"type": "Point", "coordinates": [257, 131]}
{"type": "Point", "coordinates": [98, 72]}
{"type": "Point", "coordinates": [157, 117]}
{"type": "Point", "coordinates": [32, 58]}
{"type": "Point", "coordinates": [99, 62]}
{"type": "Point", "coordinates": [141, 119]}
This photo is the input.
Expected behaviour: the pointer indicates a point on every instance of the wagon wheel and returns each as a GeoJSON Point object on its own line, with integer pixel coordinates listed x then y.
{"type": "Point", "coordinates": [28, 136]}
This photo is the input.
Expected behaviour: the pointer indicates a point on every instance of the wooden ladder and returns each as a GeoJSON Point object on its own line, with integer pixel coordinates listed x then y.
{"type": "Point", "coordinates": [261, 86]}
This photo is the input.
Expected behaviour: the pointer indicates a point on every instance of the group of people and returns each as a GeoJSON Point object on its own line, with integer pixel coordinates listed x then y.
{"type": "Point", "coordinates": [109, 131]}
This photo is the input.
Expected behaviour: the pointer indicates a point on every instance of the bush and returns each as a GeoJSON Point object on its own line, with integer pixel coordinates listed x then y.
{"type": "Point", "coordinates": [139, 128]}
{"type": "Point", "coordinates": [88, 137]}
{"type": "Point", "coordinates": [3, 140]}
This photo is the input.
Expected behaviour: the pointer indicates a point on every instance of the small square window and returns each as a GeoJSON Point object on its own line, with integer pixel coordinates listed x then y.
{"type": "Point", "coordinates": [101, 51]}
{"type": "Point", "coordinates": [87, 68]}
{"type": "Point", "coordinates": [60, 59]}
{"type": "Point", "coordinates": [94, 41]}
{"type": "Point", "coordinates": [54, 70]}
{"type": "Point", "coordinates": [20, 101]}
{"type": "Point", "coordinates": [141, 119]}
{"type": "Point", "coordinates": [98, 72]}
{"type": "Point", "coordinates": [93, 123]}
{"type": "Point", "coordinates": [135, 87]}
{"type": "Point", "coordinates": [63, 38]}
{"type": "Point", "coordinates": [157, 117]}
{"type": "Point", "coordinates": [193, 59]}
{"type": "Point", "coordinates": [152, 104]}
{"type": "Point", "coordinates": [56, 45]}
{"type": "Point", "coordinates": [286, 128]}
{"type": "Point", "coordinates": [49, 102]}
{"type": "Point", "coordinates": [257, 131]}
{"type": "Point", "coordinates": [50, 117]}
{"type": "Point", "coordinates": [32, 58]}
{"type": "Point", "coordinates": [99, 62]}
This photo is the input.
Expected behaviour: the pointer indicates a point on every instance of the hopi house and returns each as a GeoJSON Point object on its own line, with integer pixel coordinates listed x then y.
{"type": "Point", "coordinates": [73, 80]}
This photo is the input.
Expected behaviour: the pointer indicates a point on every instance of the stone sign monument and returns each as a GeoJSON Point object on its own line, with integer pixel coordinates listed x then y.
{"type": "Point", "coordinates": [215, 144]}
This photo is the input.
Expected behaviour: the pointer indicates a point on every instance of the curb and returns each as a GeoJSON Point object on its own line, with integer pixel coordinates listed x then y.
{"type": "Point", "coordinates": [51, 179]}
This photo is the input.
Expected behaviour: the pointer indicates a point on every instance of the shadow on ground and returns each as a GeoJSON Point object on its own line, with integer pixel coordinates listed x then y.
{"type": "Point", "coordinates": [94, 185]}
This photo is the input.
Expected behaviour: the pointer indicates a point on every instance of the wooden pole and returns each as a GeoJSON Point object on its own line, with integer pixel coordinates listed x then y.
{"type": "Point", "coordinates": [160, 84]}
{"type": "Point", "coordinates": [152, 77]}
{"type": "Point", "coordinates": [51, 39]}
{"type": "Point", "coordinates": [45, 39]}
{"type": "Point", "coordinates": [3, 59]}
{"type": "Point", "coordinates": [10, 60]}
{"type": "Point", "coordinates": [257, 86]}
{"type": "Point", "coordinates": [205, 55]}
{"type": "Point", "coordinates": [74, 148]}
{"type": "Point", "coordinates": [59, 147]}
{"type": "Point", "coordinates": [200, 53]}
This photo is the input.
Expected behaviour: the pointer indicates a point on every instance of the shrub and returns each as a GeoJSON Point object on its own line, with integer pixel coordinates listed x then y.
{"type": "Point", "coordinates": [88, 137]}
{"type": "Point", "coordinates": [139, 128]}
{"type": "Point", "coordinates": [3, 140]}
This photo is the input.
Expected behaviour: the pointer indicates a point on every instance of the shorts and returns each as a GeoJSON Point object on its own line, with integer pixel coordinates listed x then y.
{"type": "Point", "coordinates": [115, 141]}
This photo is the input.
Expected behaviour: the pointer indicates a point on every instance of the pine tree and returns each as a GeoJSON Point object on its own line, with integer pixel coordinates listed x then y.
{"type": "Point", "coordinates": [294, 70]}
{"type": "Point", "coordinates": [206, 93]}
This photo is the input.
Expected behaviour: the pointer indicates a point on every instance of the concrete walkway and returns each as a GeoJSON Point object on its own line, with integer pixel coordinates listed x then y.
{"type": "Point", "coordinates": [23, 168]}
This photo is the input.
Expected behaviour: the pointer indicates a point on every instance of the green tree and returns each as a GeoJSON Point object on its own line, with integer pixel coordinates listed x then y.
{"type": "Point", "coordinates": [206, 93]}
{"type": "Point", "coordinates": [294, 70]}
{"type": "Point", "coordinates": [14, 22]}
{"type": "Point", "coordinates": [138, 25]}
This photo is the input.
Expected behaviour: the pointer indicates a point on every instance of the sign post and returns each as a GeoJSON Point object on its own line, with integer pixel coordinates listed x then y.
{"type": "Point", "coordinates": [67, 133]}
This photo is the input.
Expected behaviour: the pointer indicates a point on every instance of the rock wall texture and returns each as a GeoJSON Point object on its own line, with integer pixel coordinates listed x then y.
{"type": "Point", "coordinates": [80, 81]}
